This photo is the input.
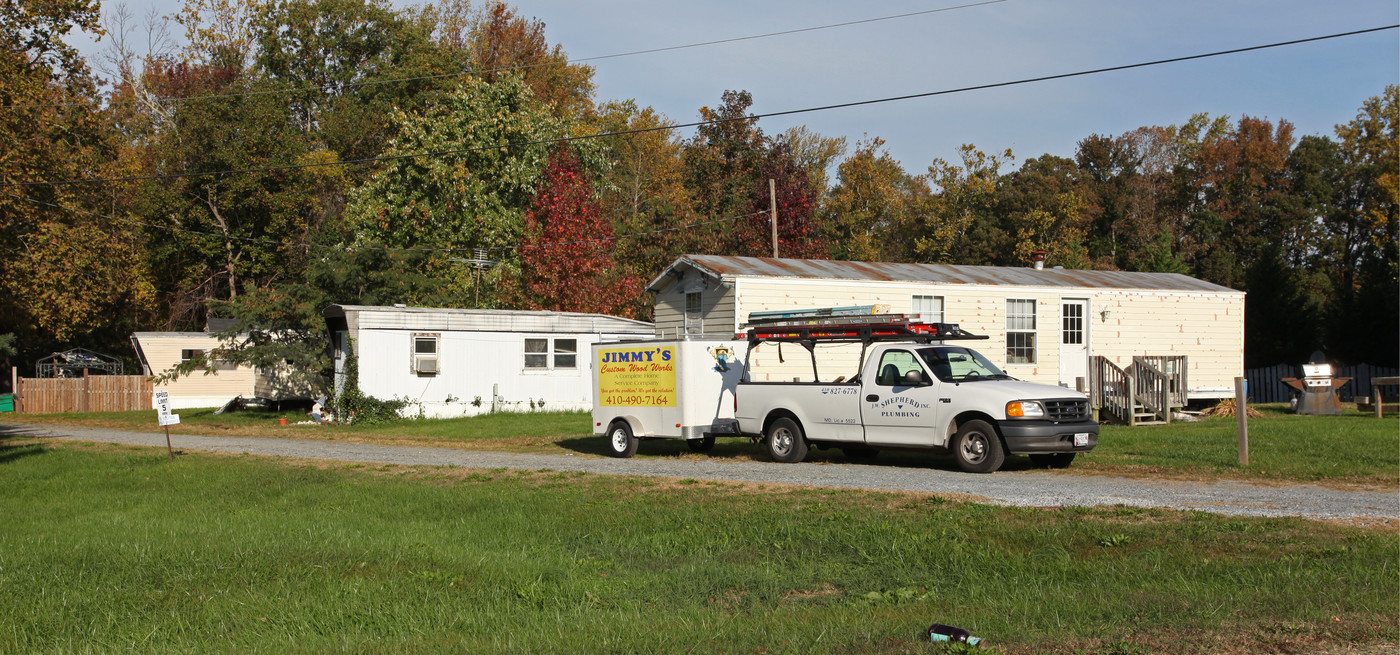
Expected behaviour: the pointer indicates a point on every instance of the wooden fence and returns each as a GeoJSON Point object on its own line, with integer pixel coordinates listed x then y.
{"type": "Point", "coordinates": [1265, 387]}
{"type": "Point", "coordinates": [94, 393]}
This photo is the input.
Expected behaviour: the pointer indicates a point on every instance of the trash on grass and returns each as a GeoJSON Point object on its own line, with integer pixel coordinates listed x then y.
{"type": "Point", "coordinates": [940, 632]}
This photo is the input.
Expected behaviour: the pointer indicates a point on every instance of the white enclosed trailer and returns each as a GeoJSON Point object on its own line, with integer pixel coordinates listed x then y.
{"type": "Point", "coordinates": [667, 389]}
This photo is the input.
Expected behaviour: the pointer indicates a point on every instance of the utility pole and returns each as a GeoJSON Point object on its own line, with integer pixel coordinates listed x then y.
{"type": "Point", "coordinates": [773, 213]}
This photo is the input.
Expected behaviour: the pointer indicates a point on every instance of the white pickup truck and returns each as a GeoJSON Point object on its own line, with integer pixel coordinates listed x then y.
{"type": "Point", "coordinates": [913, 391]}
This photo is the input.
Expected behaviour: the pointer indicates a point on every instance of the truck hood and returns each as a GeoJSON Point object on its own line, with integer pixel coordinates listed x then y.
{"type": "Point", "coordinates": [1018, 390]}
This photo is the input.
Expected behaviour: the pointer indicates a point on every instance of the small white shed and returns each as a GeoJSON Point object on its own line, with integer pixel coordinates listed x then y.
{"type": "Point", "coordinates": [1044, 325]}
{"type": "Point", "coordinates": [463, 362]}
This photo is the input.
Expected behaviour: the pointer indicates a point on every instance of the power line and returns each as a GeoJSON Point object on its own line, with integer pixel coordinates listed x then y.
{"type": "Point", "coordinates": [353, 248]}
{"type": "Point", "coordinates": [752, 117]}
{"type": "Point", "coordinates": [504, 69]}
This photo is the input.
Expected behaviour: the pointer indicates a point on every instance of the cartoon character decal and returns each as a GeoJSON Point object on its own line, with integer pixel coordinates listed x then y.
{"type": "Point", "coordinates": [721, 355]}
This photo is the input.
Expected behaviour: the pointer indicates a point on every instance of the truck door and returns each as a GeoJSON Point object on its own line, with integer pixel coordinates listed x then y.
{"type": "Point", "coordinates": [894, 410]}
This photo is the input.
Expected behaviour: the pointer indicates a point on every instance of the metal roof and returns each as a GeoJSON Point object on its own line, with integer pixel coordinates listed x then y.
{"type": "Point", "coordinates": [721, 266]}
{"type": "Point", "coordinates": [484, 320]}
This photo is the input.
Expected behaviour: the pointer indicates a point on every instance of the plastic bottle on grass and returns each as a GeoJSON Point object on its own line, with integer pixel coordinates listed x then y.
{"type": "Point", "coordinates": [940, 632]}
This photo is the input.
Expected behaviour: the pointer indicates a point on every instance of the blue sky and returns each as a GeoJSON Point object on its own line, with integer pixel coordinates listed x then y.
{"type": "Point", "coordinates": [1315, 86]}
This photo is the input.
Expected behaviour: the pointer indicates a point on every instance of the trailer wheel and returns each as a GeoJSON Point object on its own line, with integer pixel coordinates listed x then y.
{"type": "Point", "coordinates": [785, 441]}
{"type": "Point", "coordinates": [621, 443]}
{"type": "Point", "coordinates": [702, 445]}
{"type": "Point", "coordinates": [978, 448]}
{"type": "Point", "coordinates": [1053, 460]}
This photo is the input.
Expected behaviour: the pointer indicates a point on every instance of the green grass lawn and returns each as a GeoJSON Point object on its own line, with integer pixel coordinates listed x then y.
{"type": "Point", "coordinates": [107, 549]}
{"type": "Point", "coordinates": [1352, 449]}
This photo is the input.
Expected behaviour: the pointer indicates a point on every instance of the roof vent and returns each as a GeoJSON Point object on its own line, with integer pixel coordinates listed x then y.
{"type": "Point", "coordinates": [400, 305]}
{"type": "Point", "coordinates": [1038, 259]}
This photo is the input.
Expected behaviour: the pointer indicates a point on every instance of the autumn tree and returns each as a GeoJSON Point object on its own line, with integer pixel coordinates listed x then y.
{"type": "Point", "coordinates": [504, 44]}
{"type": "Point", "coordinates": [873, 206]}
{"type": "Point", "coordinates": [566, 262]}
{"type": "Point", "coordinates": [643, 193]}
{"type": "Point", "coordinates": [1241, 177]}
{"type": "Point", "coordinates": [721, 170]}
{"type": "Point", "coordinates": [69, 270]}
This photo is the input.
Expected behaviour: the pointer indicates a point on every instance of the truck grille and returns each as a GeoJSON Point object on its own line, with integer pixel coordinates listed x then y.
{"type": "Point", "coordinates": [1067, 410]}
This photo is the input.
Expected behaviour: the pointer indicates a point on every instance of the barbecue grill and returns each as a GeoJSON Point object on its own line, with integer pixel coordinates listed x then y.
{"type": "Point", "coordinates": [1316, 391]}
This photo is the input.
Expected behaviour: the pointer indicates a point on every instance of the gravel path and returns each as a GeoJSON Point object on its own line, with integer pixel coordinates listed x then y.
{"type": "Point", "coordinates": [1026, 488]}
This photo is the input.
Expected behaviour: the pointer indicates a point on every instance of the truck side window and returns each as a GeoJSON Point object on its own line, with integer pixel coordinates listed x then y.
{"type": "Point", "coordinates": [893, 365]}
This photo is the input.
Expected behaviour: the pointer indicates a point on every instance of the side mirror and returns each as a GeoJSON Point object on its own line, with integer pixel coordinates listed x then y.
{"type": "Point", "coordinates": [916, 378]}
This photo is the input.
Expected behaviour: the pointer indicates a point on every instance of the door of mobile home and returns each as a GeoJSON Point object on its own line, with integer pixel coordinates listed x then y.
{"type": "Point", "coordinates": [1074, 341]}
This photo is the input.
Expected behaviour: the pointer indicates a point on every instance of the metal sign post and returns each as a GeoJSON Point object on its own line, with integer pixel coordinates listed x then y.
{"type": "Point", "coordinates": [166, 419]}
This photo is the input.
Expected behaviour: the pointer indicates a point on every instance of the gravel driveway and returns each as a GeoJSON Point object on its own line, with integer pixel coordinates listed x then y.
{"type": "Point", "coordinates": [1027, 488]}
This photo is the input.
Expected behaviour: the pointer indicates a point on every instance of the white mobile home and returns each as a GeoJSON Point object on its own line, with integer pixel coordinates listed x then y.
{"type": "Point", "coordinates": [463, 362]}
{"type": "Point", "coordinates": [1044, 325]}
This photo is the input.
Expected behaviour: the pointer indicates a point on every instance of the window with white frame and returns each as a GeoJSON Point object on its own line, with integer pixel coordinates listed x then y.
{"type": "Point", "coordinates": [1020, 331]}
{"type": "Point", "coordinates": [929, 307]}
{"type": "Point", "coordinates": [565, 353]}
{"type": "Point", "coordinates": [425, 358]}
{"type": "Point", "coordinates": [540, 351]}
{"type": "Point", "coordinates": [694, 325]}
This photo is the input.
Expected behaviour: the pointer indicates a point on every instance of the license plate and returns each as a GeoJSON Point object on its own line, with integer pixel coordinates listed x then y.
{"type": "Point", "coordinates": [1081, 438]}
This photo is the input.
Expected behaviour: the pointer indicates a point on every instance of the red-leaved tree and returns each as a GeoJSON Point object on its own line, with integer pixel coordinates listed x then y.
{"type": "Point", "coordinates": [565, 257]}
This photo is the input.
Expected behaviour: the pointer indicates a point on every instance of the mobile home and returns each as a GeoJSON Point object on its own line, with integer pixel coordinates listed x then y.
{"type": "Point", "coordinates": [1044, 325]}
{"type": "Point", "coordinates": [463, 362]}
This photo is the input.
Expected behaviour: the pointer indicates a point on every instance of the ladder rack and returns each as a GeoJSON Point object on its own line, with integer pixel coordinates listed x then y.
{"type": "Point", "coordinates": [865, 329]}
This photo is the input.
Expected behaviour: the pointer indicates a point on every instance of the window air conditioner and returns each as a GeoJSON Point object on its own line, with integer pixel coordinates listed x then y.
{"type": "Point", "coordinates": [425, 364]}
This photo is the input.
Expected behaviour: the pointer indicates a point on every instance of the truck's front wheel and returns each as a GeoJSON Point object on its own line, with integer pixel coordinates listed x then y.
{"type": "Point", "coordinates": [978, 448]}
{"type": "Point", "coordinates": [621, 443]}
{"type": "Point", "coordinates": [785, 441]}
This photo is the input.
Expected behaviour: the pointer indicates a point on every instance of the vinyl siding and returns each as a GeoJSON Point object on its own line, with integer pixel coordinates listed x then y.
{"type": "Point", "coordinates": [162, 353]}
{"type": "Point", "coordinates": [1206, 327]}
{"type": "Point", "coordinates": [716, 303]}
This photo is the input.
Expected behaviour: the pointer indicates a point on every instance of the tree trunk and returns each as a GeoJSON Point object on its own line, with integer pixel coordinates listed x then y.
{"type": "Point", "coordinates": [228, 248]}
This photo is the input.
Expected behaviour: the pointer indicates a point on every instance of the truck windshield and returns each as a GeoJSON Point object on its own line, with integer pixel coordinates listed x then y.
{"type": "Point", "coordinates": [952, 364]}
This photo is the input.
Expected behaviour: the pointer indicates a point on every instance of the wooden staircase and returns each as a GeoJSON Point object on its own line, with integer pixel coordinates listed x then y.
{"type": "Point", "coordinates": [1144, 393]}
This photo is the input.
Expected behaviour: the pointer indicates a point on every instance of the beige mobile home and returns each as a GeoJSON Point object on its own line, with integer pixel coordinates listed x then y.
{"type": "Point", "coordinates": [1044, 325]}
{"type": "Point", "coordinates": [161, 351]}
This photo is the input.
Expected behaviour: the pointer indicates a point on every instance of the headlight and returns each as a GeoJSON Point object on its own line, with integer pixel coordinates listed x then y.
{"type": "Point", "coordinates": [1024, 409]}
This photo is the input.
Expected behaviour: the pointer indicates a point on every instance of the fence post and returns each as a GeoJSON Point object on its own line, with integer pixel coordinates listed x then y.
{"type": "Point", "coordinates": [14, 389]}
{"type": "Point", "coordinates": [1242, 416]}
{"type": "Point", "coordinates": [1376, 400]}
{"type": "Point", "coordinates": [1132, 400]}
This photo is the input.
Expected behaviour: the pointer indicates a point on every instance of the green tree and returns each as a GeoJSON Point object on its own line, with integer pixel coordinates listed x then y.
{"type": "Point", "coordinates": [1365, 309]}
{"type": "Point", "coordinates": [966, 197]}
{"type": "Point", "coordinates": [873, 205]}
{"type": "Point", "coordinates": [463, 178]}
{"type": "Point", "coordinates": [217, 234]}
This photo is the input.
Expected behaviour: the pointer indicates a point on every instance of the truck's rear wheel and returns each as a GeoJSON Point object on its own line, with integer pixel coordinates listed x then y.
{"type": "Point", "coordinates": [1053, 460]}
{"type": "Point", "coordinates": [785, 441]}
{"type": "Point", "coordinates": [978, 448]}
{"type": "Point", "coordinates": [702, 445]}
{"type": "Point", "coordinates": [621, 443]}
